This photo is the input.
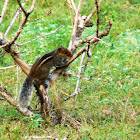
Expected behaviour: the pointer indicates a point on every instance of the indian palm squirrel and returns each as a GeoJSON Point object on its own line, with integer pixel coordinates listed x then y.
{"type": "Point", "coordinates": [41, 70]}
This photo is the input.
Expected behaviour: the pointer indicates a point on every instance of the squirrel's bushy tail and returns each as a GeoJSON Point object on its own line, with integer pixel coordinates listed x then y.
{"type": "Point", "coordinates": [26, 90]}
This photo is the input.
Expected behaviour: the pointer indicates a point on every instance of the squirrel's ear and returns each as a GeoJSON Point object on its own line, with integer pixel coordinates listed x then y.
{"type": "Point", "coordinates": [61, 46]}
{"type": "Point", "coordinates": [60, 49]}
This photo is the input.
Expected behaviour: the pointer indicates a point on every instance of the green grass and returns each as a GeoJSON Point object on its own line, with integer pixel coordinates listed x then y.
{"type": "Point", "coordinates": [108, 105]}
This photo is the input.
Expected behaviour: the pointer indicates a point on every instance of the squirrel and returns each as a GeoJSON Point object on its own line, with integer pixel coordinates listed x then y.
{"type": "Point", "coordinates": [40, 71]}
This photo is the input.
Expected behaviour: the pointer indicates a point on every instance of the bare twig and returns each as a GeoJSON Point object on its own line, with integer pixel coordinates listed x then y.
{"type": "Point", "coordinates": [97, 9]}
{"type": "Point", "coordinates": [88, 59]}
{"type": "Point", "coordinates": [22, 24]}
{"type": "Point", "coordinates": [71, 2]}
{"type": "Point", "coordinates": [76, 55]}
{"type": "Point", "coordinates": [103, 41]}
{"type": "Point", "coordinates": [21, 6]}
{"type": "Point", "coordinates": [14, 19]}
{"type": "Point", "coordinates": [40, 137]}
{"type": "Point", "coordinates": [24, 21]}
{"type": "Point", "coordinates": [52, 32]}
{"type": "Point", "coordinates": [93, 12]}
{"type": "Point", "coordinates": [32, 7]}
{"type": "Point", "coordinates": [3, 11]}
{"type": "Point", "coordinates": [74, 75]}
{"type": "Point", "coordinates": [48, 13]}
{"type": "Point", "coordinates": [79, 76]}
{"type": "Point", "coordinates": [73, 36]}
{"type": "Point", "coordinates": [9, 67]}
{"type": "Point", "coordinates": [77, 90]}
{"type": "Point", "coordinates": [92, 39]}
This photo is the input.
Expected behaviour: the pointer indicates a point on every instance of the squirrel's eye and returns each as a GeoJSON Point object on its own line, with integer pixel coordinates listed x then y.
{"type": "Point", "coordinates": [65, 52]}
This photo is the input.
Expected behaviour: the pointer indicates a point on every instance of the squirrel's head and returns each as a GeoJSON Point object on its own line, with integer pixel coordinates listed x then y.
{"type": "Point", "coordinates": [64, 54]}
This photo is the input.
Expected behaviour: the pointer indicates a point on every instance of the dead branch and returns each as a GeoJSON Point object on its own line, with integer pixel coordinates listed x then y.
{"type": "Point", "coordinates": [103, 41]}
{"type": "Point", "coordinates": [32, 7]}
{"type": "Point", "coordinates": [93, 12]}
{"type": "Point", "coordinates": [79, 76]}
{"type": "Point", "coordinates": [24, 21]}
{"type": "Point", "coordinates": [14, 19]}
{"type": "Point", "coordinates": [73, 36]}
{"type": "Point", "coordinates": [48, 13]}
{"type": "Point", "coordinates": [97, 9]}
{"type": "Point", "coordinates": [3, 11]}
{"type": "Point", "coordinates": [92, 39]}
{"type": "Point", "coordinates": [21, 7]}
{"type": "Point", "coordinates": [17, 58]}
{"type": "Point", "coordinates": [8, 97]}
{"type": "Point", "coordinates": [8, 45]}
{"type": "Point", "coordinates": [9, 67]}
{"type": "Point", "coordinates": [40, 137]}
{"type": "Point", "coordinates": [52, 32]}
{"type": "Point", "coordinates": [74, 75]}
{"type": "Point", "coordinates": [72, 4]}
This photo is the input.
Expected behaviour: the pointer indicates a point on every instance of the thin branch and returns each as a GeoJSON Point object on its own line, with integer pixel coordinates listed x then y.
{"type": "Point", "coordinates": [19, 31]}
{"type": "Point", "coordinates": [14, 19]}
{"type": "Point", "coordinates": [92, 39]}
{"type": "Point", "coordinates": [9, 67]}
{"type": "Point", "coordinates": [21, 7]}
{"type": "Point", "coordinates": [48, 13]}
{"type": "Point", "coordinates": [32, 7]}
{"type": "Point", "coordinates": [88, 59]}
{"type": "Point", "coordinates": [77, 90]}
{"type": "Point", "coordinates": [3, 11]}
{"type": "Point", "coordinates": [74, 75]}
{"type": "Point", "coordinates": [77, 55]}
{"type": "Point", "coordinates": [16, 56]}
{"type": "Point", "coordinates": [73, 36]}
{"type": "Point", "coordinates": [73, 6]}
{"type": "Point", "coordinates": [79, 76]}
{"type": "Point", "coordinates": [52, 32]}
{"type": "Point", "coordinates": [40, 137]}
{"type": "Point", "coordinates": [93, 12]}
{"type": "Point", "coordinates": [103, 41]}
{"type": "Point", "coordinates": [97, 9]}
{"type": "Point", "coordinates": [23, 23]}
